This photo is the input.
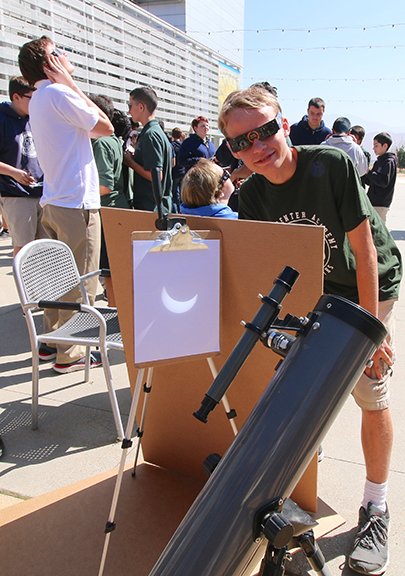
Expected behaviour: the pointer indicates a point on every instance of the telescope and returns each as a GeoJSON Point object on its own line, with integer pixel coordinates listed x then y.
{"type": "Point", "coordinates": [240, 511]}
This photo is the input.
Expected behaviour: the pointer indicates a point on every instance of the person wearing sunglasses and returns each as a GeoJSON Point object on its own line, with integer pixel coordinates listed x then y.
{"type": "Point", "coordinates": [320, 186]}
{"type": "Point", "coordinates": [63, 119]}
{"type": "Point", "coordinates": [205, 191]}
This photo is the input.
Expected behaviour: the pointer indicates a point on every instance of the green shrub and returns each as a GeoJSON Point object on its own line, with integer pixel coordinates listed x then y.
{"type": "Point", "coordinates": [401, 156]}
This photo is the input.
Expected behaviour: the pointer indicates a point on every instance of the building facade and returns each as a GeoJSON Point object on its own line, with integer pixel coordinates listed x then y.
{"type": "Point", "coordinates": [218, 25]}
{"type": "Point", "coordinates": [115, 46]}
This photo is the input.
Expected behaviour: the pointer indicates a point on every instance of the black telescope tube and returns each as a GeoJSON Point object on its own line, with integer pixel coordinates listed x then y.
{"type": "Point", "coordinates": [265, 316]}
{"type": "Point", "coordinates": [157, 190]}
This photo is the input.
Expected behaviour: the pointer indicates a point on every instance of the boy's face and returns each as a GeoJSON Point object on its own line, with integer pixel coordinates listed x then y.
{"type": "Point", "coordinates": [20, 103]}
{"type": "Point", "coordinates": [379, 148]}
{"type": "Point", "coordinates": [264, 157]}
{"type": "Point", "coordinates": [135, 109]}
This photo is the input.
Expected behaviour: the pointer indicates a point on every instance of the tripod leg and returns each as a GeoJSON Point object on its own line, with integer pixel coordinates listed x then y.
{"type": "Point", "coordinates": [147, 388]}
{"type": "Point", "coordinates": [230, 413]}
{"type": "Point", "coordinates": [313, 553]}
{"type": "Point", "coordinates": [125, 445]}
{"type": "Point", "coordinates": [273, 563]}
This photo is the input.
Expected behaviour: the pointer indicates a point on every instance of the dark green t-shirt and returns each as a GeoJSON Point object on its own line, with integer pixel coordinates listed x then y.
{"type": "Point", "coordinates": [153, 150]}
{"type": "Point", "coordinates": [108, 154]}
{"type": "Point", "coordinates": [325, 190]}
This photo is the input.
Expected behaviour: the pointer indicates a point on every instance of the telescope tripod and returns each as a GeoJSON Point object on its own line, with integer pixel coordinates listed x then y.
{"type": "Point", "coordinates": [274, 561]}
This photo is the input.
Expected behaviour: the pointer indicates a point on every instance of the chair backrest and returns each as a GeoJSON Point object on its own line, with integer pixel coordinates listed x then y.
{"type": "Point", "coordinates": [45, 270]}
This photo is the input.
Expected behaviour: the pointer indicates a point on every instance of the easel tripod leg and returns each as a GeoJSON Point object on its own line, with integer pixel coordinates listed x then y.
{"type": "Point", "coordinates": [126, 443]}
{"type": "Point", "coordinates": [147, 389]}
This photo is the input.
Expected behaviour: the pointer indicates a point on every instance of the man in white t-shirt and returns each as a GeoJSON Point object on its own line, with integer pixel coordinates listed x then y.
{"type": "Point", "coordinates": [63, 120]}
{"type": "Point", "coordinates": [340, 138]}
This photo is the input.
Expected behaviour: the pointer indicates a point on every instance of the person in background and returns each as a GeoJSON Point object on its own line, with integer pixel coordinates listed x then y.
{"type": "Point", "coordinates": [205, 191]}
{"type": "Point", "coordinates": [358, 132]}
{"type": "Point", "coordinates": [382, 176]}
{"type": "Point", "coordinates": [177, 171]}
{"type": "Point", "coordinates": [340, 138]}
{"type": "Point", "coordinates": [152, 150]}
{"type": "Point", "coordinates": [108, 155]}
{"type": "Point", "coordinates": [21, 177]}
{"type": "Point", "coordinates": [122, 129]}
{"type": "Point", "coordinates": [197, 145]}
{"type": "Point", "coordinates": [311, 128]}
{"type": "Point", "coordinates": [63, 119]}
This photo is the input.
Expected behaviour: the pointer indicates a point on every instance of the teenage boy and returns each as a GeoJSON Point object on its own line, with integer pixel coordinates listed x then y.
{"type": "Point", "coordinates": [20, 174]}
{"type": "Point", "coordinates": [311, 128]}
{"type": "Point", "coordinates": [358, 132]}
{"type": "Point", "coordinates": [382, 176]}
{"type": "Point", "coordinates": [152, 150]}
{"type": "Point", "coordinates": [62, 120]}
{"type": "Point", "coordinates": [320, 186]}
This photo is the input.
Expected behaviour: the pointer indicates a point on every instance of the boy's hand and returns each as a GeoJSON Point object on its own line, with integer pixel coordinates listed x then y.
{"type": "Point", "coordinates": [58, 73]}
{"type": "Point", "coordinates": [384, 353]}
{"type": "Point", "coordinates": [23, 177]}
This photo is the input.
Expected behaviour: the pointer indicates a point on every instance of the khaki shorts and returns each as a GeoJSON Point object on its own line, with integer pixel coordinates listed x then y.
{"type": "Point", "coordinates": [371, 393]}
{"type": "Point", "coordinates": [23, 216]}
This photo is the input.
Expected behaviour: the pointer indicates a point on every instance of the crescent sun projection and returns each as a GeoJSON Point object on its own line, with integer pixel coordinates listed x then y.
{"type": "Point", "coordinates": [177, 306]}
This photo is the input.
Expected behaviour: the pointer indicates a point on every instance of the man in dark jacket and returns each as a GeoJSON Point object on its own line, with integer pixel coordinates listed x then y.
{"type": "Point", "coordinates": [197, 145]}
{"type": "Point", "coordinates": [382, 176]}
{"type": "Point", "coordinates": [177, 171]}
{"type": "Point", "coordinates": [311, 129]}
{"type": "Point", "coordinates": [20, 174]}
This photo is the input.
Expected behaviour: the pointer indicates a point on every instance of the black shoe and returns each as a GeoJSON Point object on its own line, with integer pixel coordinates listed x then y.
{"type": "Point", "coordinates": [95, 361]}
{"type": "Point", "coordinates": [46, 352]}
{"type": "Point", "coordinates": [370, 550]}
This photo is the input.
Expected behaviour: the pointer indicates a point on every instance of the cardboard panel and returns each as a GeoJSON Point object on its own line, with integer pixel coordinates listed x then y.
{"type": "Point", "coordinates": [62, 532]}
{"type": "Point", "coordinates": [253, 254]}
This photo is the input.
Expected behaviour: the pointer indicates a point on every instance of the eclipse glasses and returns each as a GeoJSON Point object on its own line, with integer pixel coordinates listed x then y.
{"type": "Point", "coordinates": [244, 141]}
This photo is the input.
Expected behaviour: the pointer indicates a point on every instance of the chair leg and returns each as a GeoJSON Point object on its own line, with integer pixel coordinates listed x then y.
{"type": "Point", "coordinates": [35, 387]}
{"type": "Point", "coordinates": [111, 393]}
{"type": "Point", "coordinates": [87, 364]}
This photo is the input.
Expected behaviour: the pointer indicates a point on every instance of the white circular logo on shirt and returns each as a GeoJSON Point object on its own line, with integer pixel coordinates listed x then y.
{"type": "Point", "coordinates": [27, 145]}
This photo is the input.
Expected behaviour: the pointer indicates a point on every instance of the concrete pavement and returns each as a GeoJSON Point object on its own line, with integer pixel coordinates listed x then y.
{"type": "Point", "coordinates": [76, 437]}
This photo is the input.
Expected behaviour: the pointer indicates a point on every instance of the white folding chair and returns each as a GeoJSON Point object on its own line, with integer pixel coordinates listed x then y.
{"type": "Point", "coordinates": [45, 271]}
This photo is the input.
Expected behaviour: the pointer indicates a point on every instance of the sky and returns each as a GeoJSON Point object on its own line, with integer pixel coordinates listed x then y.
{"type": "Point", "coordinates": [349, 53]}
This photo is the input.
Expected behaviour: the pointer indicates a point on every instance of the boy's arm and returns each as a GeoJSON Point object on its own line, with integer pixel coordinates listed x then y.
{"type": "Point", "coordinates": [383, 178]}
{"type": "Point", "coordinates": [365, 254]}
{"type": "Point", "coordinates": [57, 73]}
{"type": "Point", "coordinates": [20, 176]}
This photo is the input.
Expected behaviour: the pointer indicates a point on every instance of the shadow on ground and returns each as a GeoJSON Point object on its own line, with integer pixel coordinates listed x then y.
{"type": "Point", "coordinates": [66, 429]}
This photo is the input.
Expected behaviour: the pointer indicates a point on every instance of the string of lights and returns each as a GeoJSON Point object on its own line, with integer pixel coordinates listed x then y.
{"type": "Point", "coordinates": [346, 101]}
{"type": "Point", "coordinates": [306, 30]}
{"type": "Point", "coordinates": [321, 48]}
{"type": "Point", "coordinates": [331, 79]}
